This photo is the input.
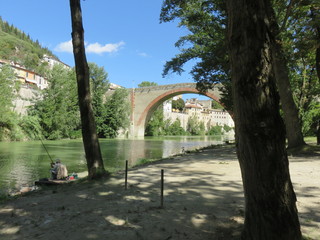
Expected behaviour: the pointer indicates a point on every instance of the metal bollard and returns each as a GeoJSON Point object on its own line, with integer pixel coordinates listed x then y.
{"type": "Point", "coordinates": [162, 187]}
{"type": "Point", "coordinates": [126, 176]}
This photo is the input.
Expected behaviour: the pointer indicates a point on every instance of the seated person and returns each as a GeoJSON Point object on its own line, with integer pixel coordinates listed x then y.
{"type": "Point", "coordinates": [59, 170]}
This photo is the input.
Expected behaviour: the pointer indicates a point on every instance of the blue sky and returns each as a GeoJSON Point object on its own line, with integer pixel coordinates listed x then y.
{"type": "Point", "coordinates": [123, 36]}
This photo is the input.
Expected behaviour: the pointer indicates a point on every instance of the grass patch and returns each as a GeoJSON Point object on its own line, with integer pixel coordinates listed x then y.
{"type": "Point", "coordinates": [305, 150]}
{"type": "Point", "coordinates": [307, 238]}
{"type": "Point", "coordinates": [310, 140]}
{"type": "Point", "coordinates": [4, 197]}
{"type": "Point", "coordinates": [144, 161]}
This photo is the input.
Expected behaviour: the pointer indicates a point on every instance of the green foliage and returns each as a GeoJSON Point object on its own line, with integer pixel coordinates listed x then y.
{"type": "Point", "coordinates": [215, 130]}
{"type": "Point", "coordinates": [30, 125]}
{"type": "Point", "coordinates": [175, 129]}
{"type": "Point", "coordinates": [8, 91]}
{"type": "Point", "coordinates": [99, 85]}
{"type": "Point", "coordinates": [194, 127]}
{"type": "Point", "coordinates": [226, 128]}
{"type": "Point", "coordinates": [216, 105]}
{"type": "Point", "coordinates": [206, 21]}
{"type": "Point", "coordinates": [58, 111]}
{"type": "Point", "coordinates": [300, 32]}
{"type": "Point", "coordinates": [205, 43]}
{"type": "Point", "coordinates": [155, 125]}
{"type": "Point", "coordinates": [116, 113]}
{"type": "Point", "coordinates": [178, 104]}
{"type": "Point", "coordinates": [310, 119]}
{"type": "Point", "coordinates": [16, 46]}
{"type": "Point", "coordinates": [147, 84]}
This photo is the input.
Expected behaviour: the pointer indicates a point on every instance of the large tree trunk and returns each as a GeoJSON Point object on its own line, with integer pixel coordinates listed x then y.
{"type": "Point", "coordinates": [290, 110]}
{"type": "Point", "coordinates": [89, 135]}
{"type": "Point", "coordinates": [270, 209]}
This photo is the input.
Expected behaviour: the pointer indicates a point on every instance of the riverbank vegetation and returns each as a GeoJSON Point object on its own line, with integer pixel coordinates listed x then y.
{"type": "Point", "coordinates": [157, 126]}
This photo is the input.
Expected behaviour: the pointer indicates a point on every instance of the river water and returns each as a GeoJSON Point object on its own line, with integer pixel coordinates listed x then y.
{"type": "Point", "coordinates": [21, 163]}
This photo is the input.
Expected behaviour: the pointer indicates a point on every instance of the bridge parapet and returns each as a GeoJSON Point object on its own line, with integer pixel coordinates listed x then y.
{"type": "Point", "coordinates": [172, 87]}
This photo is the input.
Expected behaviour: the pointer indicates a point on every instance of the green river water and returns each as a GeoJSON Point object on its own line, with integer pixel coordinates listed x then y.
{"type": "Point", "coordinates": [21, 163]}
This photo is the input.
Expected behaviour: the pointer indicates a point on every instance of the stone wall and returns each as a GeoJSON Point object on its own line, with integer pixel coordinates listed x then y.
{"type": "Point", "coordinates": [25, 99]}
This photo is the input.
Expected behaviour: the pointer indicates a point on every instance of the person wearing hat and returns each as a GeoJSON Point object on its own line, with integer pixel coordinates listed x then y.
{"type": "Point", "coordinates": [59, 170]}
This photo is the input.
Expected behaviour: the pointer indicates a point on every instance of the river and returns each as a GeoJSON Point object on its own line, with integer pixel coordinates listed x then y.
{"type": "Point", "coordinates": [21, 163]}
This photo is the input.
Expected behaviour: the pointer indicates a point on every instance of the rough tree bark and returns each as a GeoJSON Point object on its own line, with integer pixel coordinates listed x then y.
{"type": "Point", "coordinates": [270, 201]}
{"type": "Point", "coordinates": [89, 135]}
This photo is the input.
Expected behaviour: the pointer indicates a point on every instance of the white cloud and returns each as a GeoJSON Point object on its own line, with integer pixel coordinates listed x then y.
{"type": "Point", "coordinates": [143, 54]}
{"type": "Point", "coordinates": [96, 48]}
{"type": "Point", "coordinates": [64, 47]}
{"type": "Point", "coordinates": [99, 49]}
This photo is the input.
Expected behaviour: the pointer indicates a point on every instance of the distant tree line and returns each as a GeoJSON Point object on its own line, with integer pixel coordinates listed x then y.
{"type": "Point", "coordinates": [157, 126]}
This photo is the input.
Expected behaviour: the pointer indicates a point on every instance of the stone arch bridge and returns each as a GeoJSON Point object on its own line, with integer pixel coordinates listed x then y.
{"type": "Point", "coordinates": [145, 100]}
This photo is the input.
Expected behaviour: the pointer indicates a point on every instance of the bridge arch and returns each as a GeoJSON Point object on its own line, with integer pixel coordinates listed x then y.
{"type": "Point", "coordinates": [146, 100]}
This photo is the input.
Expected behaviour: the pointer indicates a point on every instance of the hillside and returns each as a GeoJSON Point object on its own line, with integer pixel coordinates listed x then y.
{"type": "Point", "coordinates": [17, 46]}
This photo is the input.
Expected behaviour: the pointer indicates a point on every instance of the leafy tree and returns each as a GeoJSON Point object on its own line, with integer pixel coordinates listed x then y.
{"type": "Point", "coordinates": [116, 113]}
{"type": "Point", "coordinates": [8, 90]}
{"type": "Point", "coordinates": [156, 123]}
{"type": "Point", "coordinates": [193, 125]}
{"type": "Point", "coordinates": [147, 84]}
{"type": "Point", "coordinates": [227, 128]}
{"type": "Point", "coordinates": [178, 104]}
{"type": "Point", "coordinates": [300, 25]}
{"type": "Point", "coordinates": [215, 130]}
{"type": "Point", "coordinates": [90, 138]}
{"type": "Point", "coordinates": [206, 21]}
{"type": "Point", "coordinates": [58, 111]}
{"type": "Point", "coordinates": [99, 86]}
{"type": "Point", "coordinates": [175, 128]}
{"type": "Point", "coordinates": [281, 71]}
{"type": "Point", "coordinates": [31, 127]}
{"type": "Point", "coordinates": [270, 211]}
{"type": "Point", "coordinates": [205, 43]}
{"type": "Point", "coordinates": [8, 86]}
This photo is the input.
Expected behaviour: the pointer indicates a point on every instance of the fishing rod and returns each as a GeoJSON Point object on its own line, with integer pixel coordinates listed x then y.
{"type": "Point", "coordinates": [44, 146]}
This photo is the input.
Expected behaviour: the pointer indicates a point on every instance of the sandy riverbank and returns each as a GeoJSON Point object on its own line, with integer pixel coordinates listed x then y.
{"type": "Point", "coordinates": [203, 200]}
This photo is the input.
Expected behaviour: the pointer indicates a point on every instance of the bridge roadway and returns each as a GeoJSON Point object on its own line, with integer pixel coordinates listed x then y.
{"type": "Point", "coordinates": [145, 100]}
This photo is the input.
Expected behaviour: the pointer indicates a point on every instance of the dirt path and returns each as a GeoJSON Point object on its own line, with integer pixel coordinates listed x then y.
{"type": "Point", "coordinates": [203, 200]}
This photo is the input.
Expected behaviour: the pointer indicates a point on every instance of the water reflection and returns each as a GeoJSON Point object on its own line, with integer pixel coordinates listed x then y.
{"type": "Point", "coordinates": [21, 163]}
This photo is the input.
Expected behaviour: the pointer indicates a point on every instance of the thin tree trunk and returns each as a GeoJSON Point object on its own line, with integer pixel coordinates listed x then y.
{"type": "Point", "coordinates": [270, 210]}
{"type": "Point", "coordinates": [89, 135]}
{"type": "Point", "coordinates": [290, 110]}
